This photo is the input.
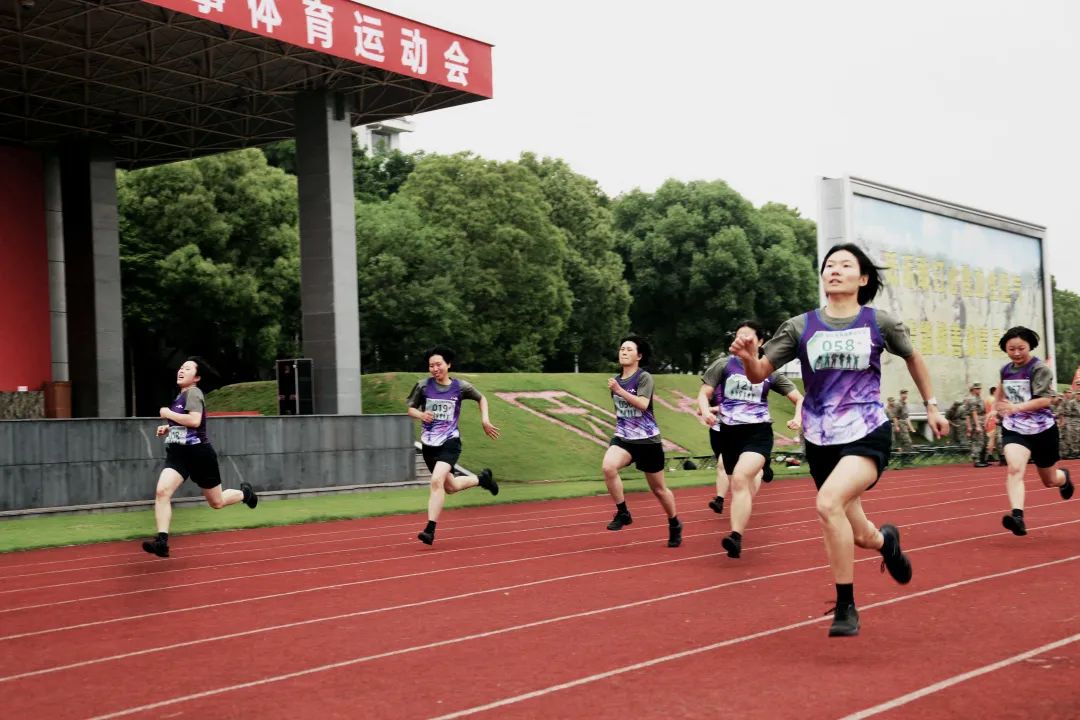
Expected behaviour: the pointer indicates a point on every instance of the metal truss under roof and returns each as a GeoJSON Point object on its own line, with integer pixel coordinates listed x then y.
{"type": "Point", "coordinates": [161, 86]}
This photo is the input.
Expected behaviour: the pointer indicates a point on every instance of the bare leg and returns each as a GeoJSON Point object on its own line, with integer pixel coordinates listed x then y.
{"type": "Point", "coordinates": [437, 498]}
{"type": "Point", "coordinates": [661, 491]}
{"type": "Point", "coordinates": [843, 487]}
{"type": "Point", "coordinates": [218, 498]}
{"type": "Point", "coordinates": [615, 459]}
{"type": "Point", "coordinates": [168, 482]}
{"type": "Point", "coordinates": [745, 482]}
{"type": "Point", "coordinates": [1016, 456]}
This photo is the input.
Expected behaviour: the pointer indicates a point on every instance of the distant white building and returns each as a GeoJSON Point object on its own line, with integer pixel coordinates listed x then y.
{"type": "Point", "coordinates": [383, 136]}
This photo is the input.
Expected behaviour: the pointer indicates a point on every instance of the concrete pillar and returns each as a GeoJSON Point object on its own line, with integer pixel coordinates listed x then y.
{"type": "Point", "coordinates": [328, 280]}
{"type": "Point", "coordinates": [92, 261]}
{"type": "Point", "coordinates": [54, 234]}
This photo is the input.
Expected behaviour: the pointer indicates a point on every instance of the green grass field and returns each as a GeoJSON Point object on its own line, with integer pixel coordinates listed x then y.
{"type": "Point", "coordinates": [530, 448]}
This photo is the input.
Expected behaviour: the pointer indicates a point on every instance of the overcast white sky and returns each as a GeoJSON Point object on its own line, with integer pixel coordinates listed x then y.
{"type": "Point", "coordinates": [972, 101]}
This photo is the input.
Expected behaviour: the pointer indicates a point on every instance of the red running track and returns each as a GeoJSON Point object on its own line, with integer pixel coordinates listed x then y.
{"type": "Point", "coordinates": [535, 610]}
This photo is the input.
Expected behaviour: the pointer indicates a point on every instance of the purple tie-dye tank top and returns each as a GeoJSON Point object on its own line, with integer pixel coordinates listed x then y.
{"type": "Point", "coordinates": [631, 423]}
{"type": "Point", "coordinates": [445, 405]}
{"type": "Point", "coordinates": [1016, 386]}
{"type": "Point", "coordinates": [842, 373]}
{"type": "Point", "coordinates": [741, 402]}
{"type": "Point", "coordinates": [180, 434]}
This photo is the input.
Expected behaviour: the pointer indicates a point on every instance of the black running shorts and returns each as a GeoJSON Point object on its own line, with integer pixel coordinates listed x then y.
{"type": "Point", "coordinates": [198, 462]}
{"type": "Point", "coordinates": [448, 452]}
{"type": "Point", "coordinates": [647, 457]}
{"type": "Point", "coordinates": [823, 458]}
{"type": "Point", "coordinates": [1044, 446]}
{"type": "Point", "coordinates": [737, 439]}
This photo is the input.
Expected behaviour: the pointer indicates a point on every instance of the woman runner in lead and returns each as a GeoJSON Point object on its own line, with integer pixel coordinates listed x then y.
{"type": "Point", "coordinates": [848, 436]}
{"type": "Point", "coordinates": [637, 437]}
{"type": "Point", "coordinates": [436, 403]}
{"type": "Point", "coordinates": [743, 431]}
{"type": "Point", "coordinates": [188, 453]}
{"type": "Point", "coordinates": [1029, 429]}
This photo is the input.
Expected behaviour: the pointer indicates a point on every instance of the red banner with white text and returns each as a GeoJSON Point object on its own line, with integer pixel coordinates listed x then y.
{"type": "Point", "coordinates": [347, 29]}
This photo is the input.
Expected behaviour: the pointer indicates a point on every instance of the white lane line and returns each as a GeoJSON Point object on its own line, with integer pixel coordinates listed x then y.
{"type": "Point", "coordinates": [188, 569]}
{"type": "Point", "coordinates": [533, 583]}
{"type": "Point", "coordinates": [726, 643]}
{"type": "Point", "coordinates": [539, 623]}
{"type": "Point", "coordinates": [957, 679]}
{"type": "Point", "coordinates": [416, 556]}
{"type": "Point", "coordinates": [599, 503]}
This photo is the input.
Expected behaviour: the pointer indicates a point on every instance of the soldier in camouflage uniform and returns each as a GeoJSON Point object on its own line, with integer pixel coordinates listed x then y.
{"type": "Point", "coordinates": [974, 410]}
{"type": "Point", "coordinates": [993, 433]}
{"type": "Point", "coordinates": [956, 426]}
{"type": "Point", "coordinates": [902, 424]}
{"type": "Point", "coordinates": [1068, 413]}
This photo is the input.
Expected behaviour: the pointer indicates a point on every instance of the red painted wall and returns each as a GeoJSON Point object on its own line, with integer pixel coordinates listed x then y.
{"type": "Point", "coordinates": [25, 344]}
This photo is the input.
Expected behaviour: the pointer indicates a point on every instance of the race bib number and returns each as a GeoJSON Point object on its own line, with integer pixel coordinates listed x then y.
{"type": "Point", "coordinates": [441, 409]}
{"type": "Point", "coordinates": [176, 434]}
{"type": "Point", "coordinates": [624, 409]}
{"type": "Point", "coordinates": [738, 387]}
{"type": "Point", "coordinates": [1017, 391]}
{"type": "Point", "coordinates": [840, 349]}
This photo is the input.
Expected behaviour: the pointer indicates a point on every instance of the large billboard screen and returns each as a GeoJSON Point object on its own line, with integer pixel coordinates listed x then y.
{"type": "Point", "coordinates": [957, 277]}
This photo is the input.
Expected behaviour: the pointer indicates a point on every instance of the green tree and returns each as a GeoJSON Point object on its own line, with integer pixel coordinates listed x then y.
{"type": "Point", "coordinates": [376, 176]}
{"type": "Point", "coordinates": [210, 266]}
{"type": "Point", "coordinates": [599, 316]}
{"type": "Point", "coordinates": [1066, 332]}
{"type": "Point", "coordinates": [472, 247]}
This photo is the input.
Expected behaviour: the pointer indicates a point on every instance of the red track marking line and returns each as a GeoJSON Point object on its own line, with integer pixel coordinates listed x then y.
{"type": "Point", "coordinates": [957, 679]}
{"type": "Point", "coordinates": [735, 641]}
{"type": "Point", "coordinates": [417, 556]}
{"type": "Point", "coordinates": [476, 593]}
{"type": "Point", "coordinates": [588, 613]}
{"type": "Point", "coordinates": [647, 515]}
{"type": "Point", "coordinates": [600, 501]}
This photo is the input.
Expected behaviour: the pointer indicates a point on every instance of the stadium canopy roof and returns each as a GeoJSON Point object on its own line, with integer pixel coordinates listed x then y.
{"type": "Point", "coordinates": [166, 80]}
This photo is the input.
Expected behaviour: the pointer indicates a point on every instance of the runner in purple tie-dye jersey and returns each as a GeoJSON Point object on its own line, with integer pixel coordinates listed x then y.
{"type": "Point", "coordinates": [742, 428]}
{"type": "Point", "coordinates": [1029, 429]}
{"type": "Point", "coordinates": [637, 437]}
{"type": "Point", "coordinates": [436, 403]}
{"type": "Point", "coordinates": [848, 436]}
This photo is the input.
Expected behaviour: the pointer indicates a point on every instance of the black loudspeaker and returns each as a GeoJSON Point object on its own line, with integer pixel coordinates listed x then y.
{"type": "Point", "coordinates": [296, 388]}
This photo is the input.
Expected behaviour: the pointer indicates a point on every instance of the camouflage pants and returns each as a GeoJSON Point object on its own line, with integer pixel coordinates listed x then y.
{"type": "Point", "coordinates": [977, 442]}
{"type": "Point", "coordinates": [1072, 436]}
{"type": "Point", "coordinates": [956, 433]}
{"type": "Point", "coordinates": [903, 439]}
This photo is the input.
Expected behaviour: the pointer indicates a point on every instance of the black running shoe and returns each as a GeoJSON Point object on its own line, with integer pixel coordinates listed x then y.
{"type": "Point", "coordinates": [1014, 524]}
{"type": "Point", "coordinates": [733, 546]}
{"type": "Point", "coordinates": [487, 481]}
{"type": "Point", "coordinates": [982, 463]}
{"type": "Point", "coordinates": [620, 521]}
{"type": "Point", "coordinates": [767, 473]}
{"type": "Point", "coordinates": [845, 621]}
{"type": "Point", "coordinates": [674, 535]}
{"type": "Point", "coordinates": [426, 537]}
{"type": "Point", "coordinates": [250, 498]}
{"type": "Point", "coordinates": [717, 505]}
{"type": "Point", "coordinates": [1066, 490]}
{"type": "Point", "coordinates": [897, 564]}
{"type": "Point", "coordinates": [156, 547]}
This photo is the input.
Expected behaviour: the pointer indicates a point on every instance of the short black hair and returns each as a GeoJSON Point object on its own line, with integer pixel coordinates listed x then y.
{"type": "Point", "coordinates": [203, 369]}
{"type": "Point", "coordinates": [1026, 334]}
{"type": "Point", "coordinates": [643, 347]}
{"type": "Point", "coordinates": [866, 267]}
{"type": "Point", "coordinates": [446, 353]}
{"type": "Point", "coordinates": [753, 325]}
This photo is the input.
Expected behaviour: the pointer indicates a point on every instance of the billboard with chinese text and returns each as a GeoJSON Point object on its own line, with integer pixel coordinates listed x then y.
{"type": "Point", "coordinates": [349, 30]}
{"type": "Point", "coordinates": [957, 277]}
